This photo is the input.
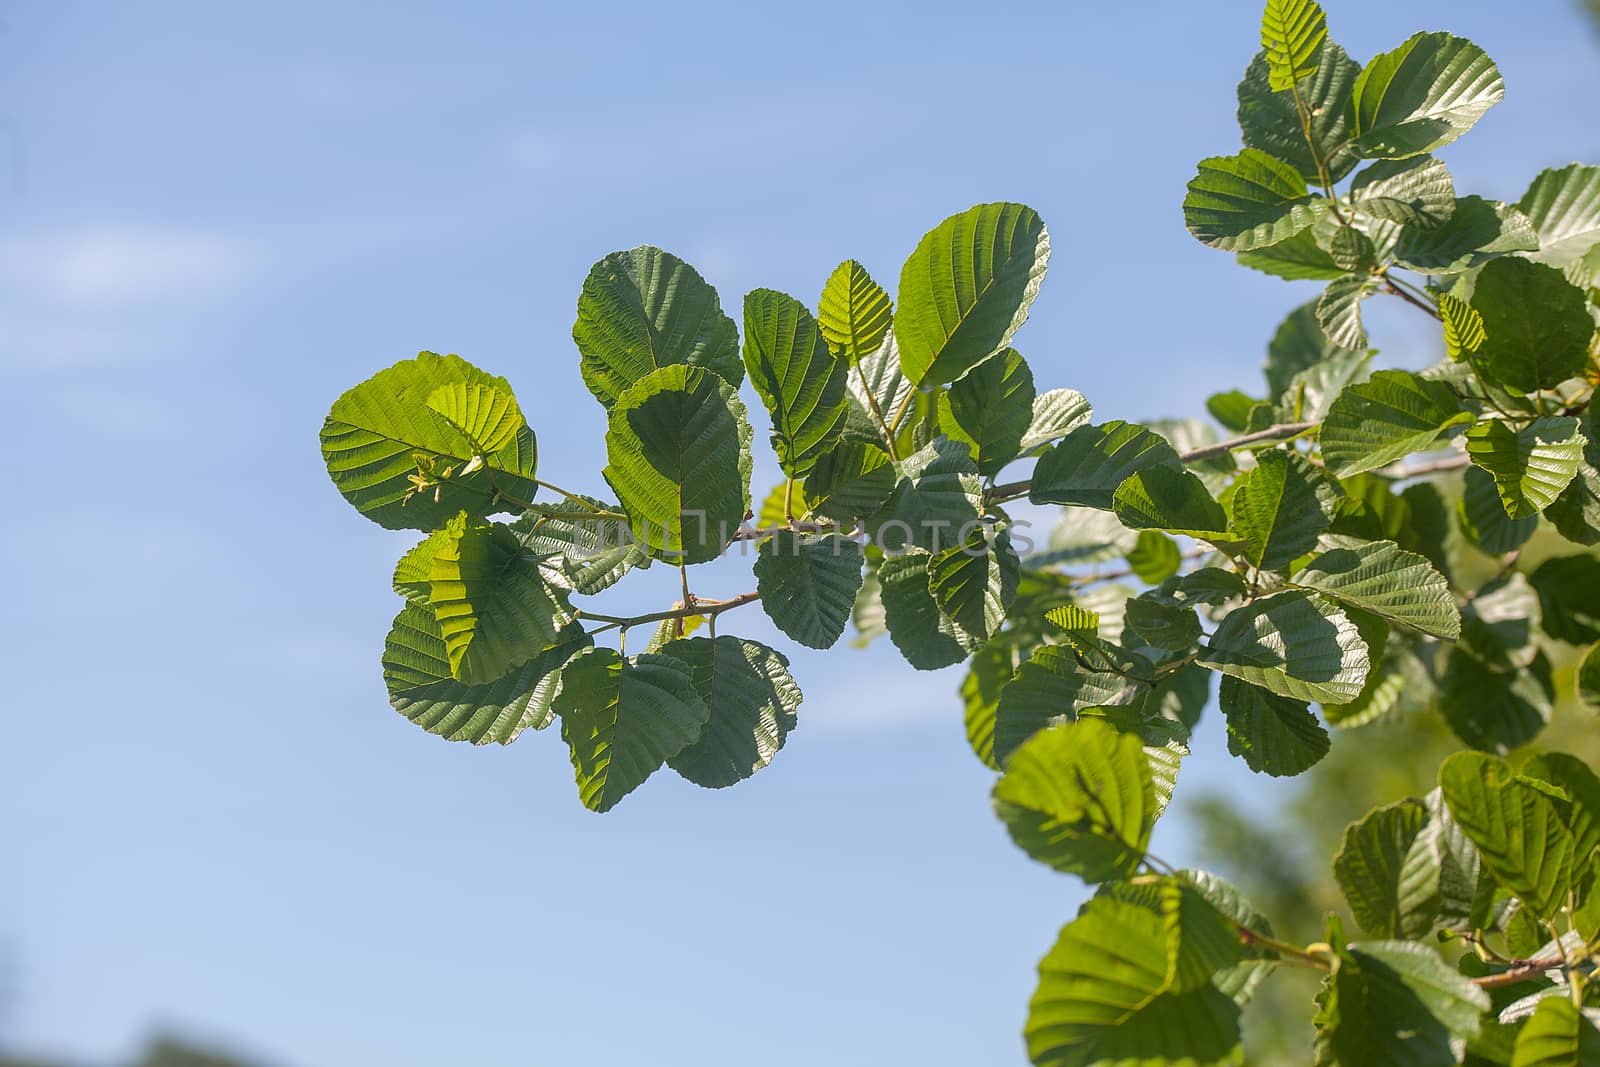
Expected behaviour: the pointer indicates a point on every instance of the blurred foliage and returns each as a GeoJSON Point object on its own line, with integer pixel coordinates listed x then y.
{"type": "Point", "coordinates": [161, 1052]}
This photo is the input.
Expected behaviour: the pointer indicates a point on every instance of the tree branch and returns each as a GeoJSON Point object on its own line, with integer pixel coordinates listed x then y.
{"type": "Point", "coordinates": [712, 608]}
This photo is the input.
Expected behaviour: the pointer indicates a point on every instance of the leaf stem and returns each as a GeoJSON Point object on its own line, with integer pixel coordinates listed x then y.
{"type": "Point", "coordinates": [877, 413]}
{"type": "Point", "coordinates": [710, 608]}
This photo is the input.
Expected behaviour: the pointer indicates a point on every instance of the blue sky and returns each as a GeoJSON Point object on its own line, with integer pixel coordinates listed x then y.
{"type": "Point", "coordinates": [216, 217]}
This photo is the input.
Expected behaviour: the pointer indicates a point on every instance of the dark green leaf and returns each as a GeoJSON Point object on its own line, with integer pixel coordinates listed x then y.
{"type": "Point", "coordinates": [644, 309]}
{"type": "Point", "coordinates": [992, 407]}
{"type": "Point", "coordinates": [1558, 1035]}
{"type": "Point", "coordinates": [936, 499]}
{"type": "Point", "coordinates": [974, 584]}
{"type": "Point", "coordinates": [808, 585]}
{"type": "Point", "coordinates": [1537, 325]}
{"type": "Point", "coordinates": [752, 700]}
{"type": "Point", "coordinates": [1370, 865]}
{"type": "Point", "coordinates": [1569, 598]}
{"type": "Point", "coordinates": [967, 288]}
{"type": "Point", "coordinates": [925, 636]}
{"type": "Point", "coordinates": [1276, 511]}
{"type": "Point", "coordinates": [1478, 230]}
{"type": "Point", "coordinates": [1275, 735]}
{"type": "Point", "coordinates": [1162, 498]}
{"type": "Point", "coordinates": [1270, 120]}
{"type": "Point", "coordinates": [1395, 1004]}
{"type": "Point", "coordinates": [679, 451]}
{"type": "Point", "coordinates": [801, 382]}
{"type": "Point", "coordinates": [1092, 461]}
{"type": "Point", "coordinates": [1484, 520]}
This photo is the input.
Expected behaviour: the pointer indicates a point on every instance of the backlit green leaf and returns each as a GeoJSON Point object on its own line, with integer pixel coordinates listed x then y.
{"type": "Point", "coordinates": [1517, 828]}
{"type": "Point", "coordinates": [376, 431]}
{"type": "Point", "coordinates": [1051, 686]}
{"type": "Point", "coordinates": [853, 313]}
{"type": "Point", "coordinates": [1292, 32]}
{"type": "Point", "coordinates": [1558, 1035]}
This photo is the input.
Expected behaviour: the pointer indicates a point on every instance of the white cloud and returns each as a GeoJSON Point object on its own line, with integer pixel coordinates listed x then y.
{"type": "Point", "coordinates": [110, 294]}
{"type": "Point", "coordinates": [121, 265]}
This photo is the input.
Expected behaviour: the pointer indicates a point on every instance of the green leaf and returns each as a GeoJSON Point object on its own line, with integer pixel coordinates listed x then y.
{"type": "Point", "coordinates": [1074, 620]}
{"type": "Point", "coordinates": [1294, 644]}
{"type": "Point", "coordinates": [1275, 509]}
{"type": "Point", "coordinates": [1537, 325]}
{"type": "Point", "coordinates": [487, 418]}
{"type": "Point", "coordinates": [1241, 980]}
{"type": "Point", "coordinates": [868, 614]}
{"type": "Point", "coordinates": [1423, 95]}
{"type": "Point", "coordinates": [1370, 868]}
{"type": "Point", "coordinates": [752, 700]}
{"type": "Point", "coordinates": [1564, 206]}
{"type": "Point", "coordinates": [991, 668]}
{"type": "Point", "coordinates": [1531, 466]}
{"type": "Point", "coordinates": [1173, 500]}
{"type": "Point", "coordinates": [1300, 258]}
{"type": "Point", "coordinates": [1492, 710]}
{"type": "Point", "coordinates": [1558, 1035]}
{"type": "Point", "coordinates": [854, 479]}
{"type": "Point", "coordinates": [1103, 998]}
{"type": "Point", "coordinates": [1273, 734]}
{"type": "Point", "coordinates": [374, 436]}
{"type": "Point", "coordinates": [1463, 327]}
{"type": "Point", "coordinates": [1051, 686]}
{"type": "Point", "coordinates": [1576, 512]}
{"type": "Point", "coordinates": [496, 606]}
{"type": "Point", "coordinates": [878, 391]}
{"type": "Point", "coordinates": [1248, 201]}
{"type": "Point", "coordinates": [1516, 826]}
{"type": "Point", "coordinates": [854, 312]}
{"type": "Point", "coordinates": [1381, 577]}
{"type": "Point", "coordinates": [967, 288]}
{"type": "Point", "coordinates": [992, 407]}
{"type": "Point", "coordinates": [1078, 797]}
{"type": "Point", "coordinates": [974, 583]}
{"type": "Point", "coordinates": [596, 550]}
{"type": "Point", "coordinates": [1478, 231]}
{"type": "Point", "coordinates": [1232, 409]}
{"type": "Point", "coordinates": [645, 309]}
{"type": "Point", "coordinates": [1163, 625]}
{"type": "Point", "coordinates": [1299, 345]}
{"type": "Point", "coordinates": [926, 637]}
{"type": "Point", "coordinates": [801, 382]}
{"type": "Point", "coordinates": [1270, 120]}
{"type": "Point", "coordinates": [936, 501]}
{"type": "Point", "coordinates": [1092, 461]}
{"type": "Point", "coordinates": [1339, 309]}
{"type": "Point", "coordinates": [1154, 558]}
{"type": "Point", "coordinates": [416, 671]}
{"type": "Point", "coordinates": [1439, 880]}
{"type": "Point", "coordinates": [1382, 420]}
{"type": "Point", "coordinates": [679, 460]}
{"type": "Point", "coordinates": [808, 585]}
{"type": "Point", "coordinates": [1417, 191]}
{"type": "Point", "coordinates": [1499, 623]}
{"type": "Point", "coordinates": [1352, 250]}
{"type": "Point", "coordinates": [1581, 811]}
{"type": "Point", "coordinates": [1292, 32]}
{"type": "Point", "coordinates": [1055, 414]}
{"type": "Point", "coordinates": [1569, 597]}
{"type": "Point", "coordinates": [623, 718]}
{"type": "Point", "coordinates": [1395, 1004]}
{"type": "Point", "coordinates": [1484, 520]}
{"type": "Point", "coordinates": [1589, 679]}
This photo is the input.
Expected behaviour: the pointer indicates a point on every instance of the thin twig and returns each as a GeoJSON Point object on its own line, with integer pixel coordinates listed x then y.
{"type": "Point", "coordinates": [711, 608]}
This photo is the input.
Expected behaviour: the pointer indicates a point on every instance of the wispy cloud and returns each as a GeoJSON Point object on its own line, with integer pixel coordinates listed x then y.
{"type": "Point", "coordinates": [99, 295]}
